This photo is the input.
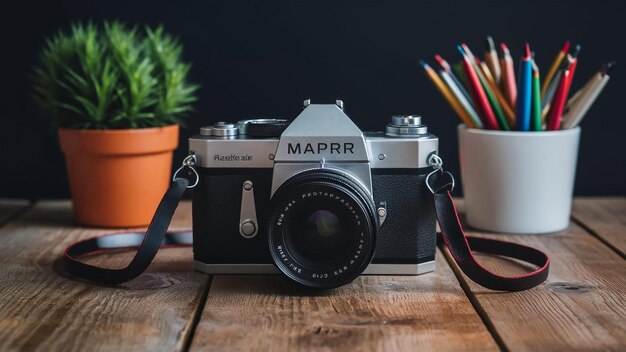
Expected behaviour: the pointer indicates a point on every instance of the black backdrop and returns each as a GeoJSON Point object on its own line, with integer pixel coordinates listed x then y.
{"type": "Point", "coordinates": [263, 58]}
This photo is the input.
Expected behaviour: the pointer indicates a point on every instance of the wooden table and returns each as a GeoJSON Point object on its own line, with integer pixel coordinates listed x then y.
{"type": "Point", "coordinates": [582, 306]}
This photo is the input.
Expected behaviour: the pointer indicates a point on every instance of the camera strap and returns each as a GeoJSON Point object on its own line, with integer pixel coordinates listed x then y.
{"type": "Point", "coordinates": [147, 244]}
{"type": "Point", "coordinates": [461, 247]}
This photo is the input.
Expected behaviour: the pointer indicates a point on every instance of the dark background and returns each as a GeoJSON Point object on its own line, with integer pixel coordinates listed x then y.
{"type": "Point", "coordinates": [262, 58]}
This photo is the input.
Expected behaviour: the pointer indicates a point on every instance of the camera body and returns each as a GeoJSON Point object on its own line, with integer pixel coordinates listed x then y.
{"type": "Point", "coordinates": [317, 199]}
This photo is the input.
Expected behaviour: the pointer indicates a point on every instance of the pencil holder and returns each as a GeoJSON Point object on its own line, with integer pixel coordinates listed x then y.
{"type": "Point", "coordinates": [518, 182]}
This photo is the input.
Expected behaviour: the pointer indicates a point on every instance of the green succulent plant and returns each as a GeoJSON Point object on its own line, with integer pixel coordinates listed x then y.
{"type": "Point", "coordinates": [113, 77]}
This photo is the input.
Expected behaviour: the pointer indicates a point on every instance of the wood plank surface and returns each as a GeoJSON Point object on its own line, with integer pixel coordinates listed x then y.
{"type": "Point", "coordinates": [606, 217]}
{"type": "Point", "coordinates": [40, 309]}
{"type": "Point", "coordinates": [582, 305]}
{"type": "Point", "coordinates": [10, 207]}
{"type": "Point", "coordinates": [426, 312]}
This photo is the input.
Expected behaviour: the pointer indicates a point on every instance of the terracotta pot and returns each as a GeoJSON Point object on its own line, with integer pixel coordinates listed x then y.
{"type": "Point", "coordinates": [117, 177]}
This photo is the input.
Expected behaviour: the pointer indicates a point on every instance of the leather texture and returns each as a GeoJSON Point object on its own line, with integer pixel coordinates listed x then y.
{"type": "Point", "coordinates": [407, 236]}
{"type": "Point", "coordinates": [216, 210]}
{"type": "Point", "coordinates": [408, 233]}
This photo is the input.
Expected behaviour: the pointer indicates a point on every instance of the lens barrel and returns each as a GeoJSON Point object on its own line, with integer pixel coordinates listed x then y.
{"type": "Point", "coordinates": [322, 228]}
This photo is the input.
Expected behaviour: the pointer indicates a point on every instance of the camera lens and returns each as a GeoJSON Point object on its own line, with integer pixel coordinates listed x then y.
{"type": "Point", "coordinates": [322, 228]}
{"type": "Point", "coordinates": [318, 237]}
{"type": "Point", "coordinates": [322, 235]}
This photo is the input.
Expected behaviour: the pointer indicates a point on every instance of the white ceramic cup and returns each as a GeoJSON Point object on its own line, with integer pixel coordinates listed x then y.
{"type": "Point", "coordinates": [518, 182]}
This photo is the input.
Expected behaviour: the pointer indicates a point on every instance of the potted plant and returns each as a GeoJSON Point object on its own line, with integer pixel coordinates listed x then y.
{"type": "Point", "coordinates": [116, 95]}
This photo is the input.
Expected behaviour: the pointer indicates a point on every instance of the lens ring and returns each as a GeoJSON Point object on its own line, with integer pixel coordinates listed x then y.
{"type": "Point", "coordinates": [295, 200]}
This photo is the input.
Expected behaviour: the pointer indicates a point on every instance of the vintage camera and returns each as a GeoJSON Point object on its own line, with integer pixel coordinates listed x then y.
{"type": "Point", "coordinates": [316, 198]}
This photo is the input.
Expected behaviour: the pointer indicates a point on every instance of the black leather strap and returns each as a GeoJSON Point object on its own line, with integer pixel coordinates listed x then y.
{"type": "Point", "coordinates": [147, 244]}
{"type": "Point", "coordinates": [155, 237]}
{"type": "Point", "coordinates": [461, 246]}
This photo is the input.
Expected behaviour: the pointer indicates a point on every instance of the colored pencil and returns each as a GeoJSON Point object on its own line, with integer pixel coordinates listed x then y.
{"type": "Point", "coordinates": [467, 105]}
{"type": "Point", "coordinates": [547, 100]}
{"type": "Point", "coordinates": [509, 87]}
{"type": "Point", "coordinates": [522, 111]}
{"type": "Point", "coordinates": [585, 100]}
{"type": "Point", "coordinates": [536, 124]}
{"type": "Point", "coordinates": [493, 102]}
{"type": "Point", "coordinates": [506, 108]}
{"type": "Point", "coordinates": [491, 58]}
{"type": "Point", "coordinates": [578, 93]}
{"type": "Point", "coordinates": [488, 94]}
{"type": "Point", "coordinates": [460, 74]}
{"type": "Point", "coordinates": [443, 63]}
{"type": "Point", "coordinates": [574, 62]}
{"type": "Point", "coordinates": [468, 52]}
{"type": "Point", "coordinates": [553, 68]}
{"type": "Point", "coordinates": [446, 67]}
{"type": "Point", "coordinates": [447, 94]}
{"type": "Point", "coordinates": [584, 88]}
{"type": "Point", "coordinates": [478, 94]}
{"type": "Point", "coordinates": [570, 63]}
{"type": "Point", "coordinates": [556, 110]}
